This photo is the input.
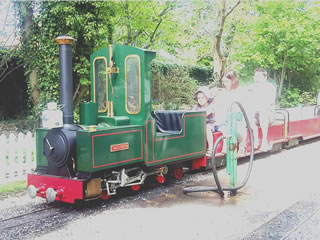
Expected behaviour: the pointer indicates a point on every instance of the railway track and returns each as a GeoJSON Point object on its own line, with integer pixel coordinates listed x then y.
{"type": "Point", "coordinates": [289, 223]}
{"type": "Point", "coordinates": [33, 216]}
{"type": "Point", "coordinates": [292, 233]}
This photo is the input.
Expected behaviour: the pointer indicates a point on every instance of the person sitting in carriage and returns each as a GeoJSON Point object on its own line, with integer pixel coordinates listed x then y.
{"type": "Point", "coordinates": [204, 96]}
{"type": "Point", "coordinates": [262, 95]}
{"type": "Point", "coordinates": [230, 93]}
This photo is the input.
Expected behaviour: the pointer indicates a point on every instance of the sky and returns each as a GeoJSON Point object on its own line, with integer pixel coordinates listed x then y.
{"type": "Point", "coordinates": [8, 35]}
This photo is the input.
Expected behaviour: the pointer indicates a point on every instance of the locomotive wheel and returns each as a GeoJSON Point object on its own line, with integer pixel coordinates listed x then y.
{"type": "Point", "coordinates": [105, 195]}
{"type": "Point", "coordinates": [136, 188]}
{"type": "Point", "coordinates": [178, 173]}
{"type": "Point", "coordinates": [160, 179]}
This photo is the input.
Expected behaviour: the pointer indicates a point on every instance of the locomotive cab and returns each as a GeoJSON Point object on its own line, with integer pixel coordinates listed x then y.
{"type": "Point", "coordinates": [121, 85]}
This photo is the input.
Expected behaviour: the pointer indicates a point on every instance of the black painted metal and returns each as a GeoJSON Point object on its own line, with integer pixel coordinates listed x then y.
{"type": "Point", "coordinates": [66, 83]}
{"type": "Point", "coordinates": [59, 146]}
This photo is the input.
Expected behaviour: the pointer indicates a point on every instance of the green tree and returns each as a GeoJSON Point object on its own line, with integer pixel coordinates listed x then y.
{"type": "Point", "coordinates": [282, 36]}
{"type": "Point", "coordinates": [25, 10]}
{"type": "Point", "coordinates": [87, 22]}
{"type": "Point", "coordinates": [144, 24]}
{"type": "Point", "coordinates": [208, 31]}
{"type": "Point", "coordinates": [173, 85]}
{"type": "Point", "coordinates": [92, 25]}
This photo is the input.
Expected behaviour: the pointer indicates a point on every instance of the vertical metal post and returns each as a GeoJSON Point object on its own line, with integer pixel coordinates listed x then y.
{"type": "Point", "coordinates": [233, 143]}
{"type": "Point", "coordinates": [232, 140]}
{"type": "Point", "coordinates": [285, 128]}
{"type": "Point", "coordinates": [228, 153]}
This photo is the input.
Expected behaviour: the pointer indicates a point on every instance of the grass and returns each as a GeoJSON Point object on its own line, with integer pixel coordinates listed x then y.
{"type": "Point", "coordinates": [13, 187]}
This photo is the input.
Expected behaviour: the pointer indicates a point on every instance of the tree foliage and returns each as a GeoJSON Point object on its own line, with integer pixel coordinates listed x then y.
{"type": "Point", "coordinates": [92, 25]}
{"type": "Point", "coordinates": [208, 33]}
{"type": "Point", "coordinates": [144, 25]}
{"type": "Point", "coordinates": [295, 97]}
{"type": "Point", "coordinates": [282, 36]}
{"type": "Point", "coordinates": [173, 85]}
{"type": "Point", "coordinates": [81, 20]}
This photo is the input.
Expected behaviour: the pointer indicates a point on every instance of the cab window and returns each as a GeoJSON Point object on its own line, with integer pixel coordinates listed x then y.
{"type": "Point", "coordinates": [133, 84]}
{"type": "Point", "coordinates": [100, 83]}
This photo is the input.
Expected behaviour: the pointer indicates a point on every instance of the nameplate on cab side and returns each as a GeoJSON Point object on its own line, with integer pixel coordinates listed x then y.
{"type": "Point", "coordinates": [119, 147]}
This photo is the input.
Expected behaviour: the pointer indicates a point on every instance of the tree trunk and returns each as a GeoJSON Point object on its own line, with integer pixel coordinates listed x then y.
{"type": "Point", "coordinates": [218, 58]}
{"type": "Point", "coordinates": [283, 73]}
{"type": "Point", "coordinates": [129, 35]}
{"type": "Point", "coordinates": [26, 15]}
{"type": "Point", "coordinates": [35, 93]}
{"type": "Point", "coordinates": [219, 61]}
{"type": "Point", "coordinates": [289, 79]}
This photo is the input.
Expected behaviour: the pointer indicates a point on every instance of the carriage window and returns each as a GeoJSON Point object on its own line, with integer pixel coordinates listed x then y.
{"type": "Point", "coordinates": [100, 83]}
{"type": "Point", "coordinates": [133, 84]}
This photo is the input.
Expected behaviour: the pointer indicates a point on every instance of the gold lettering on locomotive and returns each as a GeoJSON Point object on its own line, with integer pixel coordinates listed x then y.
{"type": "Point", "coordinates": [119, 147]}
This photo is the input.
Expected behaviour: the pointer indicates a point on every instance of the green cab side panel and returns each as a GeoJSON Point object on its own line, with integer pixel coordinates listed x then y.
{"type": "Point", "coordinates": [190, 143]}
{"type": "Point", "coordinates": [100, 150]}
{"type": "Point", "coordinates": [116, 87]}
{"type": "Point", "coordinates": [40, 136]}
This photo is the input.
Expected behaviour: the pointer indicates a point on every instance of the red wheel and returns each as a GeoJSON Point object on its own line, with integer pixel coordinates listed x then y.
{"type": "Point", "coordinates": [178, 172]}
{"type": "Point", "coordinates": [136, 187]}
{"type": "Point", "coordinates": [105, 195]}
{"type": "Point", "coordinates": [160, 179]}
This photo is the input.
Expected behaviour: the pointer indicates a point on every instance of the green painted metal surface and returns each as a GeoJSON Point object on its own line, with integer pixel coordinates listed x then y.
{"type": "Point", "coordinates": [105, 149]}
{"type": "Point", "coordinates": [88, 113]}
{"type": "Point", "coordinates": [231, 158]}
{"type": "Point", "coordinates": [116, 86]}
{"type": "Point", "coordinates": [40, 136]}
{"type": "Point", "coordinates": [115, 121]}
{"type": "Point", "coordinates": [189, 144]}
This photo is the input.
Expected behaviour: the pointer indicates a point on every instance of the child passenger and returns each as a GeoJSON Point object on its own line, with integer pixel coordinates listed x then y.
{"type": "Point", "coordinates": [204, 97]}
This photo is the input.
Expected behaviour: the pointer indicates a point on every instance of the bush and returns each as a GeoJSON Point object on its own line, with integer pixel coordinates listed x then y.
{"type": "Point", "coordinates": [295, 97]}
{"type": "Point", "coordinates": [174, 85]}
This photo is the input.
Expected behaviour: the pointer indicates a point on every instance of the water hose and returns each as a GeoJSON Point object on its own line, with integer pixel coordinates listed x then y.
{"type": "Point", "coordinates": [219, 189]}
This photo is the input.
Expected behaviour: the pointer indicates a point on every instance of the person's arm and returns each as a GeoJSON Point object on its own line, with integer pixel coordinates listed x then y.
{"type": "Point", "coordinates": [211, 115]}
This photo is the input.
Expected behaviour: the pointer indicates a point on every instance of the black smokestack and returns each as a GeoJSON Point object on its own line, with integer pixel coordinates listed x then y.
{"type": "Point", "coordinates": [66, 83]}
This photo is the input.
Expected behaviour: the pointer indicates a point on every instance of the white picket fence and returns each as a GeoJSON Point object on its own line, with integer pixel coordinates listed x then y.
{"type": "Point", "coordinates": [17, 157]}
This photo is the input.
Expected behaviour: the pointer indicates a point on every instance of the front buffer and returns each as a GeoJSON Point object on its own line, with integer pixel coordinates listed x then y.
{"type": "Point", "coordinates": [56, 188]}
